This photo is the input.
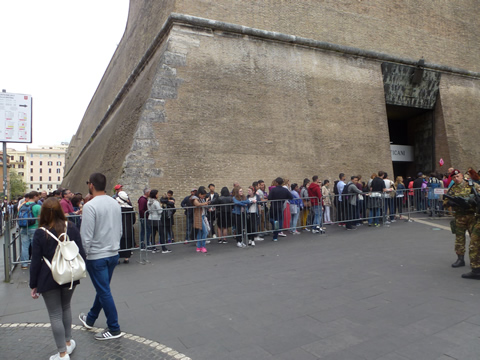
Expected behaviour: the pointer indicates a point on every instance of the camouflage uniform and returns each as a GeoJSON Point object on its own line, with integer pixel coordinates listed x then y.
{"type": "Point", "coordinates": [466, 220]}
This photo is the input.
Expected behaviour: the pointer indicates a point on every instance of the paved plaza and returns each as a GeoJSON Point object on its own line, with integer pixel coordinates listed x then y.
{"type": "Point", "coordinates": [385, 293]}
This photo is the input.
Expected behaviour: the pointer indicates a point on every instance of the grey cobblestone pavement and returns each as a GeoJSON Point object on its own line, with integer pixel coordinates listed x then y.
{"type": "Point", "coordinates": [384, 293]}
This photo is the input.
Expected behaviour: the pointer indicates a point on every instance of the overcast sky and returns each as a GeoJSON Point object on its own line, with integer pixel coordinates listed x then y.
{"type": "Point", "coordinates": [57, 51]}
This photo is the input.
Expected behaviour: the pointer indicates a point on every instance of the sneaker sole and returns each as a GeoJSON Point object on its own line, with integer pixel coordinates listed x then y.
{"type": "Point", "coordinates": [85, 323]}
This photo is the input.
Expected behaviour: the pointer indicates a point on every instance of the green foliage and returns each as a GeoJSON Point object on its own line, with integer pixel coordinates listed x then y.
{"type": "Point", "coordinates": [17, 186]}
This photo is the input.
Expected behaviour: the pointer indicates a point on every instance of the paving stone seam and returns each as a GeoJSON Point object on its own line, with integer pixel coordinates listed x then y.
{"type": "Point", "coordinates": [156, 345]}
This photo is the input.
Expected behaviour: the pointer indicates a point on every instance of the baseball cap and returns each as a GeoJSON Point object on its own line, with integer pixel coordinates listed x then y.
{"type": "Point", "coordinates": [455, 172]}
{"type": "Point", "coordinates": [118, 186]}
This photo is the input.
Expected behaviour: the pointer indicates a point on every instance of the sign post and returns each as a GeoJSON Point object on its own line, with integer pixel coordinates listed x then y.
{"type": "Point", "coordinates": [15, 126]}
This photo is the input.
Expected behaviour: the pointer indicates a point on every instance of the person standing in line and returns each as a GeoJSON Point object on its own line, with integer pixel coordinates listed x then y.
{"type": "Point", "coordinates": [57, 297]}
{"type": "Point", "coordinates": [306, 204]}
{"type": "Point", "coordinates": [352, 202]}
{"type": "Point", "coordinates": [377, 188]}
{"type": "Point", "coordinates": [327, 201]}
{"type": "Point", "coordinates": [187, 205]}
{"type": "Point", "coordinates": [278, 194]}
{"type": "Point", "coordinates": [239, 210]}
{"type": "Point", "coordinates": [262, 208]}
{"type": "Point", "coordinates": [315, 194]}
{"type": "Point", "coordinates": [199, 218]}
{"type": "Point", "coordinates": [341, 206]}
{"type": "Point", "coordinates": [27, 232]}
{"type": "Point", "coordinates": [224, 215]}
{"type": "Point", "coordinates": [252, 215]}
{"type": "Point", "coordinates": [127, 241]}
{"type": "Point", "coordinates": [145, 228]}
{"type": "Point", "coordinates": [400, 196]}
{"type": "Point", "coordinates": [211, 213]}
{"type": "Point", "coordinates": [101, 233]}
{"type": "Point", "coordinates": [156, 217]}
{"type": "Point", "coordinates": [295, 206]}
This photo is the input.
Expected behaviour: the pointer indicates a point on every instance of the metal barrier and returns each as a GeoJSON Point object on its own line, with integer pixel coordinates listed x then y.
{"type": "Point", "coordinates": [227, 221]}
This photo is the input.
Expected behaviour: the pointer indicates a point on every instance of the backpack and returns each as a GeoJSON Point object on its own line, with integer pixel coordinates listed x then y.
{"type": "Point", "coordinates": [345, 193]}
{"type": "Point", "coordinates": [67, 264]}
{"type": "Point", "coordinates": [25, 215]}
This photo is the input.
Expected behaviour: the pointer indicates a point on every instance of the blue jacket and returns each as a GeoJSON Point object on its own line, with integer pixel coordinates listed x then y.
{"type": "Point", "coordinates": [237, 208]}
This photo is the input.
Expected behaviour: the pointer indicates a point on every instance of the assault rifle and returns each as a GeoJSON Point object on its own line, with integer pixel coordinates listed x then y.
{"type": "Point", "coordinates": [461, 202]}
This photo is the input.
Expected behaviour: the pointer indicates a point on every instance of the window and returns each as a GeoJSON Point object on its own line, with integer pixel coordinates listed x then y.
{"type": "Point", "coordinates": [21, 174]}
{"type": "Point", "coordinates": [12, 158]}
{"type": "Point", "coordinates": [20, 166]}
{"type": "Point", "coordinates": [13, 166]}
{"type": "Point", "coordinates": [41, 163]}
{"type": "Point", "coordinates": [58, 180]}
{"type": "Point", "coordinates": [40, 171]}
{"type": "Point", "coordinates": [49, 155]}
{"type": "Point", "coordinates": [31, 170]}
{"type": "Point", "coordinates": [58, 171]}
{"type": "Point", "coordinates": [49, 186]}
{"type": "Point", "coordinates": [31, 163]}
{"type": "Point", "coordinates": [31, 186]}
{"type": "Point", "coordinates": [40, 186]}
{"type": "Point", "coordinates": [49, 171]}
{"type": "Point", "coordinates": [50, 163]}
{"type": "Point", "coordinates": [59, 163]}
{"type": "Point", "coordinates": [58, 186]}
{"type": "Point", "coordinates": [31, 178]}
{"type": "Point", "coordinates": [40, 178]}
{"type": "Point", "coordinates": [22, 159]}
{"type": "Point", "coordinates": [49, 178]}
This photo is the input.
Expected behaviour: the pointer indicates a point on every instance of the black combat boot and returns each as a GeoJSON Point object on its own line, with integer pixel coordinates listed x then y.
{"type": "Point", "coordinates": [460, 262]}
{"type": "Point", "coordinates": [474, 274]}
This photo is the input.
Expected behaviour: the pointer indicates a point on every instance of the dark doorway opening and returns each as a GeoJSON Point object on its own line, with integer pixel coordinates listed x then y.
{"type": "Point", "coordinates": [412, 127]}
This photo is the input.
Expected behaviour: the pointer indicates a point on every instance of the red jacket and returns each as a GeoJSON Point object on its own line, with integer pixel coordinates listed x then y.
{"type": "Point", "coordinates": [315, 192]}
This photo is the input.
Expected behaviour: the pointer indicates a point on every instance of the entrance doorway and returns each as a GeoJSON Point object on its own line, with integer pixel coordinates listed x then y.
{"type": "Point", "coordinates": [412, 127]}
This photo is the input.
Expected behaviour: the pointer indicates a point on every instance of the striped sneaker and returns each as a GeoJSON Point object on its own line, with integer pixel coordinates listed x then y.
{"type": "Point", "coordinates": [108, 335]}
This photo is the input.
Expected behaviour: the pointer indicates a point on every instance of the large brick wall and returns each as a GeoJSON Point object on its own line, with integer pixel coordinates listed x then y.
{"type": "Point", "coordinates": [218, 106]}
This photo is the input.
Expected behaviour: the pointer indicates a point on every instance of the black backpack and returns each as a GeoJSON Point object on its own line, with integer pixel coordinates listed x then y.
{"type": "Point", "coordinates": [345, 193]}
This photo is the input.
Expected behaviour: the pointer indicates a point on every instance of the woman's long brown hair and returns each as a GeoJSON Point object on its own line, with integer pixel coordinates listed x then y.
{"type": "Point", "coordinates": [52, 216]}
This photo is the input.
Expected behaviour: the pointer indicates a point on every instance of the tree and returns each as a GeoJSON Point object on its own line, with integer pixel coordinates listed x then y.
{"type": "Point", "coordinates": [17, 185]}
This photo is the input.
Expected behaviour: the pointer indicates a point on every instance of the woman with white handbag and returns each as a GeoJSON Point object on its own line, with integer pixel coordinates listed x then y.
{"type": "Point", "coordinates": [57, 297]}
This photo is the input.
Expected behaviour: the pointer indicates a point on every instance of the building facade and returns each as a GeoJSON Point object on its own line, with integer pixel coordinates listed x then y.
{"type": "Point", "coordinates": [42, 167]}
{"type": "Point", "coordinates": [202, 91]}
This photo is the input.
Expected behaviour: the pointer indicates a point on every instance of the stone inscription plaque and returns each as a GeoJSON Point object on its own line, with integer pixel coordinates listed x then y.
{"type": "Point", "coordinates": [410, 86]}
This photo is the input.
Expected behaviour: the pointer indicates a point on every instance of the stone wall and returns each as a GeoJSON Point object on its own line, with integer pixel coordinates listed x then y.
{"type": "Point", "coordinates": [211, 105]}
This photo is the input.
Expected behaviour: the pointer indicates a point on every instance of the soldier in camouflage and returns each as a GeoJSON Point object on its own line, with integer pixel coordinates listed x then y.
{"type": "Point", "coordinates": [466, 219]}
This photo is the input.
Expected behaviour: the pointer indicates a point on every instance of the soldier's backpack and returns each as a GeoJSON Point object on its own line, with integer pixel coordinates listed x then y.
{"type": "Point", "coordinates": [25, 215]}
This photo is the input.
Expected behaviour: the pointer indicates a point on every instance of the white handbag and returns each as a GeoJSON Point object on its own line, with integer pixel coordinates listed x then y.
{"type": "Point", "coordinates": [67, 264]}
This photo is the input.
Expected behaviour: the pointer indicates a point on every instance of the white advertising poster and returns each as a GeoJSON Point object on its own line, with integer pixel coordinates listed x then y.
{"type": "Point", "coordinates": [402, 152]}
{"type": "Point", "coordinates": [15, 118]}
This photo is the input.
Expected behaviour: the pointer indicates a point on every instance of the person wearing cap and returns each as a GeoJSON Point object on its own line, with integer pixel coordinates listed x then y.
{"type": "Point", "coordinates": [465, 220]}
{"type": "Point", "coordinates": [117, 188]}
{"type": "Point", "coordinates": [127, 241]}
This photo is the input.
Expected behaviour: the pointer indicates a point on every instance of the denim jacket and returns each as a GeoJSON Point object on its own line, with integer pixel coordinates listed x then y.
{"type": "Point", "coordinates": [239, 204]}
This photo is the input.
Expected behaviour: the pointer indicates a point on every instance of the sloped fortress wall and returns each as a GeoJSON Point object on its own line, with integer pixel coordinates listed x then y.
{"type": "Point", "coordinates": [222, 91]}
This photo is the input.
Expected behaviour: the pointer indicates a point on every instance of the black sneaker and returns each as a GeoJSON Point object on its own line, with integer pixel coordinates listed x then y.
{"type": "Point", "coordinates": [83, 319]}
{"type": "Point", "coordinates": [107, 334]}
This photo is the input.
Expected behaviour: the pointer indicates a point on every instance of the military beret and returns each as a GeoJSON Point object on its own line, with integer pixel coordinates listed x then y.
{"type": "Point", "coordinates": [455, 172]}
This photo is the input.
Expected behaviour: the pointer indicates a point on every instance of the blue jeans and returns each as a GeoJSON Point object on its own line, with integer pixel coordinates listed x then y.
{"type": "Point", "coordinates": [101, 271]}
{"type": "Point", "coordinates": [317, 220]}
{"type": "Point", "coordinates": [374, 216]}
{"type": "Point", "coordinates": [202, 234]}
{"type": "Point", "coordinates": [26, 236]}
{"type": "Point", "coordinates": [278, 216]}
{"type": "Point", "coordinates": [145, 229]}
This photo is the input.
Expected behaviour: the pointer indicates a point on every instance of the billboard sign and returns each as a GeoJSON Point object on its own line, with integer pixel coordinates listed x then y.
{"type": "Point", "coordinates": [15, 118]}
